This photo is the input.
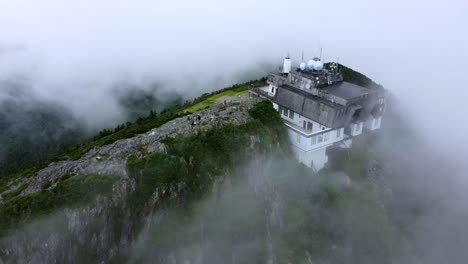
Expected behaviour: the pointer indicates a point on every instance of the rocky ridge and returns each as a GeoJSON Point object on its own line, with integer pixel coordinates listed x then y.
{"type": "Point", "coordinates": [111, 159]}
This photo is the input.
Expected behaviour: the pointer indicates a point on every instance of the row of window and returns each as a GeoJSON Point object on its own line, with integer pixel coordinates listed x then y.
{"type": "Point", "coordinates": [286, 112]}
{"type": "Point", "coordinates": [307, 125]}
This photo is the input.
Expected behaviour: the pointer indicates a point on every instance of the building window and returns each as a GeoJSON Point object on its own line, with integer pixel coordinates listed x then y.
{"type": "Point", "coordinates": [356, 129]}
{"type": "Point", "coordinates": [313, 140]}
{"type": "Point", "coordinates": [304, 124]}
{"type": "Point", "coordinates": [280, 109]}
{"type": "Point", "coordinates": [320, 139]}
{"type": "Point", "coordinates": [325, 137]}
{"type": "Point", "coordinates": [338, 133]}
{"type": "Point", "coordinates": [309, 126]}
{"type": "Point", "coordinates": [291, 114]}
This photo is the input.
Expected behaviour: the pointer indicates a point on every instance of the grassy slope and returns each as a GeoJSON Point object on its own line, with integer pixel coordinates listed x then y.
{"type": "Point", "coordinates": [212, 100]}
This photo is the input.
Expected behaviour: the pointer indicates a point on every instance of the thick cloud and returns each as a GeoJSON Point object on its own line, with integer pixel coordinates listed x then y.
{"type": "Point", "coordinates": [76, 51]}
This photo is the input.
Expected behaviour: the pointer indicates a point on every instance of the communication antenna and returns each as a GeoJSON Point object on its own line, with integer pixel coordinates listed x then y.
{"type": "Point", "coordinates": [321, 54]}
{"type": "Point", "coordinates": [302, 65]}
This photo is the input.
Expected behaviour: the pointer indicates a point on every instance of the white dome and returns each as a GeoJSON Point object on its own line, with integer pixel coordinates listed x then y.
{"type": "Point", "coordinates": [317, 65]}
{"type": "Point", "coordinates": [310, 64]}
{"type": "Point", "coordinates": [302, 66]}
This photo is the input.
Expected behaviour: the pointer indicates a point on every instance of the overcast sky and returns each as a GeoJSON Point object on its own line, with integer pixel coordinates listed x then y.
{"type": "Point", "coordinates": [74, 51]}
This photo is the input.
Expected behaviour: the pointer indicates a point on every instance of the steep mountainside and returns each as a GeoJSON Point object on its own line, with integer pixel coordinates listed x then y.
{"type": "Point", "coordinates": [206, 194]}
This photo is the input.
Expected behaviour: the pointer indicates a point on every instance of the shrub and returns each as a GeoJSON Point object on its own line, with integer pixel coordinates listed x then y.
{"type": "Point", "coordinates": [74, 191]}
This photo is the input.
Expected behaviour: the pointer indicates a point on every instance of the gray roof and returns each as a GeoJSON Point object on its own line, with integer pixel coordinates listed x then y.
{"type": "Point", "coordinates": [346, 90]}
{"type": "Point", "coordinates": [310, 106]}
{"type": "Point", "coordinates": [335, 105]}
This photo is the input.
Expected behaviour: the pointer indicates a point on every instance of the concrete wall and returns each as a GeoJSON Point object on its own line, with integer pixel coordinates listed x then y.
{"type": "Point", "coordinates": [356, 128]}
{"type": "Point", "coordinates": [315, 141]}
{"type": "Point", "coordinates": [315, 159]}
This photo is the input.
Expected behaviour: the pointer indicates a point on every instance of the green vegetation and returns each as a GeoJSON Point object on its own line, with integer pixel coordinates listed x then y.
{"type": "Point", "coordinates": [74, 191]}
{"type": "Point", "coordinates": [32, 131]}
{"type": "Point", "coordinates": [357, 78]}
{"type": "Point", "coordinates": [212, 100]}
{"type": "Point", "coordinates": [128, 130]}
{"type": "Point", "coordinates": [191, 161]}
{"type": "Point", "coordinates": [153, 120]}
{"type": "Point", "coordinates": [14, 193]}
{"type": "Point", "coordinates": [304, 217]}
{"type": "Point", "coordinates": [196, 160]}
{"type": "Point", "coordinates": [5, 181]}
{"type": "Point", "coordinates": [34, 151]}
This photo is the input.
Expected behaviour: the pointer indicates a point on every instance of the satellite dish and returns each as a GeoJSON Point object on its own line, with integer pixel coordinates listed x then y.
{"type": "Point", "coordinates": [317, 65]}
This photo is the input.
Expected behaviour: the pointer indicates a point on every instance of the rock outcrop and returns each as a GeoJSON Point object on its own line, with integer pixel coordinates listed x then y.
{"type": "Point", "coordinates": [111, 159]}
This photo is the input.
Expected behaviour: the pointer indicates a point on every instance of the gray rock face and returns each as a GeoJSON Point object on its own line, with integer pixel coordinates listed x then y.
{"type": "Point", "coordinates": [111, 159]}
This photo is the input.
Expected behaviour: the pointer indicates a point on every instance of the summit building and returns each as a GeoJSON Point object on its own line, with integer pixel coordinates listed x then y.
{"type": "Point", "coordinates": [319, 109]}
